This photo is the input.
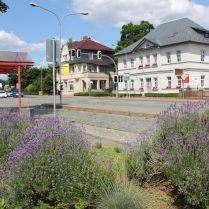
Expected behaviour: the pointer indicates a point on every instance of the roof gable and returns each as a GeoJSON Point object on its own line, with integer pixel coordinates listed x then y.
{"type": "Point", "coordinates": [174, 32]}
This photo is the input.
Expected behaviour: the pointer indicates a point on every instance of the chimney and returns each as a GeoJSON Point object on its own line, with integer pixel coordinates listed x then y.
{"type": "Point", "coordinates": [85, 38]}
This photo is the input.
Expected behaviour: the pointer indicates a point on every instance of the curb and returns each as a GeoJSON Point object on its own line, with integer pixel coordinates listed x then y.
{"type": "Point", "coordinates": [137, 114]}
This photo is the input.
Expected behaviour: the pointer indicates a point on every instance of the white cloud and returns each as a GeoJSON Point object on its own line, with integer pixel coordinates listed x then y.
{"type": "Point", "coordinates": [120, 12]}
{"type": "Point", "coordinates": [10, 42]}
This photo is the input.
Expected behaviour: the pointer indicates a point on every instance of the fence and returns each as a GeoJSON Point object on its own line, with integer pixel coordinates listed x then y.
{"type": "Point", "coordinates": [194, 94]}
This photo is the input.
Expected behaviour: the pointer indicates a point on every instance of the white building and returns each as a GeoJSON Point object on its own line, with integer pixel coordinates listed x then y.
{"type": "Point", "coordinates": [152, 61]}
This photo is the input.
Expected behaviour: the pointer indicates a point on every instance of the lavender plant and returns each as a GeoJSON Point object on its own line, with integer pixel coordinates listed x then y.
{"type": "Point", "coordinates": [11, 125]}
{"type": "Point", "coordinates": [53, 164]}
{"type": "Point", "coordinates": [182, 141]}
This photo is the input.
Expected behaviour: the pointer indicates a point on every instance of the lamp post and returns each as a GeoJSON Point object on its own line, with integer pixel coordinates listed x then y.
{"type": "Point", "coordinates": [60, 30]}
{"type": "Point", "coordinates": [41, 79]}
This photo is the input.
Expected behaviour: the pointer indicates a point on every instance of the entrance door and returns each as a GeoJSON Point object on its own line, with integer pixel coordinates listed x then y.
{"type": "Point", "coordinates": [148, 85]}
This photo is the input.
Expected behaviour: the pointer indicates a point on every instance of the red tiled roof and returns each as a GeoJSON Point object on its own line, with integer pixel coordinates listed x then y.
{"type": "Point", "coordinates": [87, 43]}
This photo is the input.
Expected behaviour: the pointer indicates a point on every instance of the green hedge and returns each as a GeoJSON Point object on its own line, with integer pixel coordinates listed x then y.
{"type": "Point", "coordinates": [93, 94]}
{"type": "Point", "coordinates": [161, 94]}
{"type": "Point", "coordinates": [104, 94]}
{"type": "Point", "coordinates": [131, 95]}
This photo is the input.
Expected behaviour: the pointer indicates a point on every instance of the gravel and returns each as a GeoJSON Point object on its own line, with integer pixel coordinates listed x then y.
{"type": "Point", "coordinates": [109, 129]}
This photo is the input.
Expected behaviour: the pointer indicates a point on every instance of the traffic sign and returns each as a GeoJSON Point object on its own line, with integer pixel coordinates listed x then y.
{"type": "Point", "coordinates": [126, 77]}
{"type": "Point", "coordinates": [185, 78]}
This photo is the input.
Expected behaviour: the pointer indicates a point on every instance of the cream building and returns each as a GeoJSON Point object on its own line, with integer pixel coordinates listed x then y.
{"type": "Point", "coordinates": [86, 64]}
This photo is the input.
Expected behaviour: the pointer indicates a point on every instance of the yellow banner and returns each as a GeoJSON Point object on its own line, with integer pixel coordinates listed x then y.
{"type": "Point", "coordinates": [65, 69]}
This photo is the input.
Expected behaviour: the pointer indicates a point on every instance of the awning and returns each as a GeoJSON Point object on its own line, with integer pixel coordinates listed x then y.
{"type": "Point", "coordinates": [102, 64]}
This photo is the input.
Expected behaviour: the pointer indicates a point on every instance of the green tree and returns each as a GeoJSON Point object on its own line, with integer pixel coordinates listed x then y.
{"type": "Point", "coordinates": [32, 75]}
{"type": "Point", "coordinates": [71, 42]}
{"type": "Point", "coordinates": [131, 33]}
{"type": "Point", "coordinates": [3, 7]}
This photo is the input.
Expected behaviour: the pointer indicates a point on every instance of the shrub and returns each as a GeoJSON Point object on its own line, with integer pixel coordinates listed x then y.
{"type": "Point", "coordinates": [183, 144]}
{"type": "Point", "coordinates": [141, 162]}
{"type": "Point", "coordinates": [161, 94]}
{"type": "Point", "coordinates": [53, 165]}
{"type": "Point", "coordinates": [121, 195]}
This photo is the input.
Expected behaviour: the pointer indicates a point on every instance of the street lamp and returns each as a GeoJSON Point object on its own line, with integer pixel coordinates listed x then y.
{"type": "Point", "coordinates": [60, 28]}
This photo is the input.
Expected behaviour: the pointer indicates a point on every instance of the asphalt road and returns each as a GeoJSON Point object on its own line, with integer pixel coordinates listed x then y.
{"type": "Point", "coordinates": [131, 105]}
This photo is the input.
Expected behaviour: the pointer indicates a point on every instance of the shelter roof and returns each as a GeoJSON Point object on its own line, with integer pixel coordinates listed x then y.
{"type": "Point", "coordinates": [11, 60]}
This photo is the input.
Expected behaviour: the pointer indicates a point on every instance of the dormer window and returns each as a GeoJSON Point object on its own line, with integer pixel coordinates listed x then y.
{"type": "Point", "coordinates": [147, 46]}
{"type": "Point", "coordinates": [206, 35]}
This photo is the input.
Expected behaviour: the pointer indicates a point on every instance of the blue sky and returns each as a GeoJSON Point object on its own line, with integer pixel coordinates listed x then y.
{"type": "Point", "coordinates": [25, 28]}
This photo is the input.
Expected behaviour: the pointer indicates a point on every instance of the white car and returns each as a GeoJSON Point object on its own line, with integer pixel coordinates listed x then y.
{"type": "Point", "coordinates": [3, 93]}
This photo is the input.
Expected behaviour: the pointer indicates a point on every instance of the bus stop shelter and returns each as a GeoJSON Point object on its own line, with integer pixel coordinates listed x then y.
{"type": "Point", "coordinates": [10, 61]}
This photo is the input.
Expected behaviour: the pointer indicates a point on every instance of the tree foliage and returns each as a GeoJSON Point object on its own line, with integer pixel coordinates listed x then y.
{"type": "Point", "coordinates": [131, 33]}
{"type": "Point", "coordinates": [71, 42]}
{"type": "Point", "coordinates": [3, 7]}
{"type": "Point", "coordinates": [33, 76]}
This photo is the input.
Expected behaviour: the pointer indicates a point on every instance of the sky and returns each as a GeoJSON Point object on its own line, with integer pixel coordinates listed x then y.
{"type": "Point", "coordinates": [25, 28]}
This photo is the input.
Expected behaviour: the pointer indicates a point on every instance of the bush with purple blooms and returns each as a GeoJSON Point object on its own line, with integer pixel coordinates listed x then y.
{"type": "Point", "coordinates": [53, 165]}
{"type": "Point", "coordinates": [182, 141]}
{"type": "Point", "coordinates": [11, 125]}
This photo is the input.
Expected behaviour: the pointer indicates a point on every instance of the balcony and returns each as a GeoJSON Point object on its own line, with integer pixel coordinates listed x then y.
{"type": "Point", "coordinates": [147, 65]}
{"type": "Point", "coordinates": [140, 66]}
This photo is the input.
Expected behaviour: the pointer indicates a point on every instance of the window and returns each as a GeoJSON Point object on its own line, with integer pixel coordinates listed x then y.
{"type": "Point", "coordinates": [132, 62]}
{"type": "Point", "coordinates": [84, 68]}
{"type": "Point", "coordinates": [202, 55]}
{"type": "Point", "coordinates": [132, 84]}
{"type": "Point", "coordinates": [79, 69]}
{"type": "Point", "coordinates": [142, 82]}
{"type": "Point", "coordinates": [120, 78]}
{"type": "Point", "coordinates": [141, 61]}
{"type": "Point", "coordinates": [73, 70]}
{"type": "Point", "coordinates": [202, 81]}
{"type": "Point", "coordinates": [102, 69]}
{"type": "Point", "coordinates": [147, 46]}
{"type": "Point", "coordinates": [168, 55]}
{"type": "Point", "coordinates": [125, 87]}
{"type": "Point", "coordinates": [89, 68]}
{"type": "Point", "coordinates": [155, 58]}
{"type": "Point", "coordinates": [206, 35]}
{"type": "Point", "coordinates": [178, 54]}
{"type": "Point", "coordinates": [148, 60]}
{"type": "Point", "coordinates": [155, 82]}
{"type": "Point", "coordinates": [91, 55]}
{"type": "Point", "coordinates": [71, 85]}
{"type": "Point", "coordinates": [124, 64]}
{"type": "Point", "coordinates": [179, 80]}
{"type": "Point", "coordinates": [169, 81]}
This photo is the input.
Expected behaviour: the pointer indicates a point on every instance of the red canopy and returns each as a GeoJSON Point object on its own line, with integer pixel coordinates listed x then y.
{"type": "Point", "coordinates": [9, 61]}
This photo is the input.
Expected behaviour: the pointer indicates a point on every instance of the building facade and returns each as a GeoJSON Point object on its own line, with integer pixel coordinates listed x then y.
{"type": "Point", "coordinates": [86, 65]}
{"type": "Point", "coordinates": [153, 63]}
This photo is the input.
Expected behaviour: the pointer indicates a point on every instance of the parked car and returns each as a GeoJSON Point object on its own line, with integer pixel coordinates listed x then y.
{"type": "Point", "coordinates": [16, 94]}
{"type": "Point", "coordinates": [9, 93]}
{"type": "Point", "coordinates": [3, 93]}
